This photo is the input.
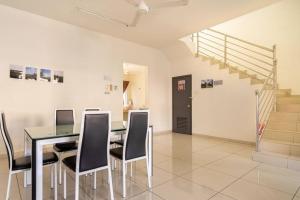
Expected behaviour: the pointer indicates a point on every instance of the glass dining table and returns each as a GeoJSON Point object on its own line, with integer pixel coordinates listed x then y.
{"type": "Point", "coordinates": [37, 137]}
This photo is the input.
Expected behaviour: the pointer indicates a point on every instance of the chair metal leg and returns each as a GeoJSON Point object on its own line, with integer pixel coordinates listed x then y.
{"type": "Point", "coordinates": [110, 184]}
{"type": "Point", "coordinates": [124, 178]}
{"type": "Point", "coordinates": [65, 184]}
{"type": "Point", "coordinates": [25, 180]}
{"type": "Point", "coordinates": [55, 181]}
{"type": "Point", "coordinates": [8, 186]}
{"type": "Point", "coordinates": [51, 171]}
{"type": "Point", "coordinates": [112, 163]}
{"type": "Point", "coordinates": [76, 187]}
{"type": "Point", "coordinates": [95, 180]}
{"type": "Point", "coordinates": [59, 173]}
{"type": "Point", "coordinates": [148, 173]}
{"type": "Point", "coordinates": [131, 169]}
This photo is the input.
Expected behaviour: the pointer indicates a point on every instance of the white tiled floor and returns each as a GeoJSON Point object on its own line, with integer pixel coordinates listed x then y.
{"type": "Point", "coordinates": [185, 168]}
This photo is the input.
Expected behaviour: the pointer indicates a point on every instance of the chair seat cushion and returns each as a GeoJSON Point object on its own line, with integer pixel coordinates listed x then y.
{"type": "Point", "coordinates": [117, 152]}
{"type": "Point", "coordinates": [25, 162]}
{"type": "Point", "coordinates": [66, 146]}
{"type": "Point", "coordinates": [70, 162]}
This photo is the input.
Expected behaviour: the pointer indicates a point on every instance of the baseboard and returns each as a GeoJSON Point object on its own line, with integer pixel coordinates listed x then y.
{"type": "Point", "coordinates": [226, 139]}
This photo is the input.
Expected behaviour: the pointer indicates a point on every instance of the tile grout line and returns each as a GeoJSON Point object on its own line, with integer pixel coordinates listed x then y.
{"type": "Point", "coordinates": [296, 193]}
{"type": "Point", "coordinates": [238, 179]}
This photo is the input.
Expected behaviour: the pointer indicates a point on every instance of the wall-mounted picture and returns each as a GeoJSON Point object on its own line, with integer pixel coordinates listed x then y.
{"type": "Point", "coordinates": [208, 83]}
{"type": "Point", "coordinates": [45, 75]}
{"type": "Point", "coordinates": [31, 73]}
{"type": "Point", "coordinates": [16, 71]}
{"type": "Point", "coordinates": [58, 77]}
{"type": "Point", "coordinates": [203, 83]}
{"type": "Point", "coordinates": [218, 82]}
{"type": "Point", "coordinates": [181, 85]}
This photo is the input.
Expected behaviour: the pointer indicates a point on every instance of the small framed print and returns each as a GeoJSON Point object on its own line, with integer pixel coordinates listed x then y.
{"type": "Point", "coordinates": [58, 77]}
{"type": "Point", "coordinates": [181, 85]}
{"type": "Point", "coordinates": [45, 75]}
{"type": "Point", "coordinates": [16, 71]}
{"type": "Point", "coordinates": [30, 73]}
{"type": "Point", "coordinates": [208, 83]}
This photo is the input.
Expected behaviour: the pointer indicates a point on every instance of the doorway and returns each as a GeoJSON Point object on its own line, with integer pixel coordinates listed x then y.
{"type": "Point", "coordinates": [135, 88]}
{"type": "Point", "coordinates": [182, 104]}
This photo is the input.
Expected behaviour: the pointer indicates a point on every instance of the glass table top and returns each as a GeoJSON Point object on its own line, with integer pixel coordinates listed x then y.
{"type": "Point", "coordinates": [48, 132]}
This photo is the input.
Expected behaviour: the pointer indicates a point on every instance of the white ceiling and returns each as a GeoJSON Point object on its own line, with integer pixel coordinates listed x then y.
{"type": "Point", "coordinates": [157, 29]}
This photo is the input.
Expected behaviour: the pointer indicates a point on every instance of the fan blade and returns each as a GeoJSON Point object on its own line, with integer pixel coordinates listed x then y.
{"type": "Point", "coordinates": [137, 17]}
{"type": "Point", "coordinates": [171, 4]}
{"type": "Point", "coordinates": [91, 12]}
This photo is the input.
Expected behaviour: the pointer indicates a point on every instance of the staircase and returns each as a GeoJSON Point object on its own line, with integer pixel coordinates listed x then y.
{"type": "Point", "coordinates": [277, 111]}
{"type": "Point", "coordinates": [280, 143]}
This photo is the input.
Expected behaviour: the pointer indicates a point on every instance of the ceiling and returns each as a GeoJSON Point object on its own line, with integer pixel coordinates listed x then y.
{"type": "Point", "coordinates": [158, 28]}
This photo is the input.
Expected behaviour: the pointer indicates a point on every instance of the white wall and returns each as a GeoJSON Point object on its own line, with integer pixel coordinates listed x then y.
{"type": "Point", "coordinates": [276, 24]}
{"type": "Point", "coordinates": [226, 111]}
{"type": "Point", "coordinates": [85, 57]}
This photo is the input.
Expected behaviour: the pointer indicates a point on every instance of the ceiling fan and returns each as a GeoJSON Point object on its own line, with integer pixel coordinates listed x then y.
{"type": "Point", "coordinates": [142, 9]}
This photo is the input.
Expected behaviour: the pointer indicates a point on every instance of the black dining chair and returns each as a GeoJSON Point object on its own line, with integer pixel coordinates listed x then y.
{"type": "Point", "coordinates": [64, 117]}
{"type": "Point", "coordinates": [93, 149]}
{"type": "Point", "coordinates": [135, 143]}
{"type": "Point", "coordinates": [22, 164]}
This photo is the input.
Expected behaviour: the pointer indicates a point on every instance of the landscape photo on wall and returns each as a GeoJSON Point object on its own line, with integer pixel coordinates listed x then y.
{"type": "Point", "coordinates": [31, 73]}
{"type": "Point", "coordinates": [16, 71]}
{"type": "Point", "coordinates": [58, 77]}
{"type": "Point", "coordinates": [45, 75]}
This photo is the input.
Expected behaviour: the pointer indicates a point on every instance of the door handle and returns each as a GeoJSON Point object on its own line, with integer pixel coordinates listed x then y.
{"type": "Point", "coordinates": [188, 106]}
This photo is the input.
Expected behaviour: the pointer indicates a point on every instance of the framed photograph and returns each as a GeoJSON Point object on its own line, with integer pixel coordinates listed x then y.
{"type": "Point", "coordinates": [209, 83]}
{"type": "Point", "coordinates": [58, 77]}
{"type": "Point", "coordinates": [181, 85]}
{"type": "Point", "coordinates": [203, 83]}
{"type": "Point", "coordinates": [218, 82]}
{"type": "Point", "coordinates": [45, 75]}
{"type": "Point", "coordinates": [30, 73]}
{"type": "Point", "coordinates": [16, 71]}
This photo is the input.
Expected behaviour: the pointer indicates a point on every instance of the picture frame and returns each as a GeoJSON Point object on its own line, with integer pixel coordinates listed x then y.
{"type": "Point", "coordinates": [45, 75]}
{"type": "Point", "coordinates": [16, 71]}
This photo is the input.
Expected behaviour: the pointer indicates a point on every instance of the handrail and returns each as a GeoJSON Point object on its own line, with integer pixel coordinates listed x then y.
{"type": "Point", "coordinates": [244, 41]}
{"type": "Point", "coordinates": [247, 56]}
{"type": "Point", "coordinates": [240, 46]}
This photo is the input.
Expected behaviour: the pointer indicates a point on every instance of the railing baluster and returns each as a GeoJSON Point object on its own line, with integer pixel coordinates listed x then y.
{"type": "Point", "coordinates": [197, 35]}
{"type": "Point", "coordinates": [257, 121]}
{"type": "Point", "coordinates": [225, 50]}
{"type": "Point", "coordinates": [275, 85]}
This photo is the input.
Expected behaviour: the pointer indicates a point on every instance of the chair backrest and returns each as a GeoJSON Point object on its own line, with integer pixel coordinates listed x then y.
{"type": "Point", "coordinates": [93, 145]}
{"type": "Point", "coordinates": [64, 117]}
{"type": "Point", "coordinates": [7, 140]}
{"type": "Point", "coordinates": [92, 109]}
{"type": "Point", "coordinates": [137, 132]}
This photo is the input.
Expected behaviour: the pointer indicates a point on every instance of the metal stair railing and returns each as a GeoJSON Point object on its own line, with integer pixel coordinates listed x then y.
{"type": "Point", "coordinates": [257, 61]}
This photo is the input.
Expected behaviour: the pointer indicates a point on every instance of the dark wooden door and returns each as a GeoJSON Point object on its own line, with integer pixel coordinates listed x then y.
{"type": "Point", "coordinates": [182, 104]}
